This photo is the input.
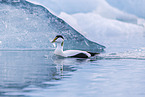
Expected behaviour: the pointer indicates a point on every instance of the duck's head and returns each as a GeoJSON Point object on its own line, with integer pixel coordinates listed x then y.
{"type": "Point", "coordinates": [58, 39]}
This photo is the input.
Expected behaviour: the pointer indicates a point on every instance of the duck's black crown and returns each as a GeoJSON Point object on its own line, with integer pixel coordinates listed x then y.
{"type": "Point", "coordinates": [59, 36]}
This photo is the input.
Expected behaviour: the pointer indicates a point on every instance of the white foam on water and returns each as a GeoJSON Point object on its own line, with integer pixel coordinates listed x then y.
{"type": "Point", "coordinates": [138, 54]}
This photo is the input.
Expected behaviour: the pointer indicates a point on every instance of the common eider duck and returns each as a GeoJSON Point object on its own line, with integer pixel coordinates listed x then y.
{"type": "Point", "coordinates": [69, 53]}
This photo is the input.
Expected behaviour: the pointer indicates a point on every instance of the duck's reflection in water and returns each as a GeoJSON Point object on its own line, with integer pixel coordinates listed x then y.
{"type": "Point", "coordinates": [68, 64]}
{"type": "Point", "coordinates": [22, 69]}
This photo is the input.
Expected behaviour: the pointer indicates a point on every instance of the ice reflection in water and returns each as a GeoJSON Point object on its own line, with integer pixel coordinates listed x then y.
{"type": "Point", "coordinates": [21, 69]}
{"type": "Point", "coordinates": [41, 74]}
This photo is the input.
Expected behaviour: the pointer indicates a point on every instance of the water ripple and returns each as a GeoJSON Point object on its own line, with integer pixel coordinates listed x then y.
{"type": "Point", "coordinates": [138, 54]}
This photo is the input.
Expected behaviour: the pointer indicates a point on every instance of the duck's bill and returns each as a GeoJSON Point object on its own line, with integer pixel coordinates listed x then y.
{"type": "Point", "coordinates": [54, 40]}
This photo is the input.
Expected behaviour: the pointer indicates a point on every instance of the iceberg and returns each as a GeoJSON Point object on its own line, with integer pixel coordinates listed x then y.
{"type": "Point", "coordinates": [106, 24]}
{"type": "Point", "coordinates": [135, 7]}
{"type": "Point", "coordinates": [101, 21]}
{"type": "Point", "coordinates": [26, 25]}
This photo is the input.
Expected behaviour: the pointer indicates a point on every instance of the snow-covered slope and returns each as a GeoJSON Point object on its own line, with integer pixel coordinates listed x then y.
{"type": "Point", "coordinates": [98, 20]}
{"type": "Point", "coordinates": [135, 7]}
{"type": "Point", "coordinates": [77, 12]}
{"type": "Point", "coordinates": [106, 23]}
{"type": "Point", "coordinates": [25, 25]}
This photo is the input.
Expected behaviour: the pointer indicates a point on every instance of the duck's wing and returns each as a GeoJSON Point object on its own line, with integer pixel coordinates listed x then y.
{"type": "Point", "coordinates": [77, 54]}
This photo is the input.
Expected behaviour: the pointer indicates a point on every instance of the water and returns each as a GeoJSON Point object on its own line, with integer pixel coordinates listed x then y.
{"type": "Point", "coordinates": [38, 73]}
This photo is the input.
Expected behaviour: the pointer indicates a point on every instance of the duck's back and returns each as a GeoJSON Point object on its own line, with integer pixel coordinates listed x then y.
{"type": "Point", "coordinates": [76, 53]}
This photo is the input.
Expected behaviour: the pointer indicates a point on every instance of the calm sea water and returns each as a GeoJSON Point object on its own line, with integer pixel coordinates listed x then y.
{"type": "Point", "coordinates": [41, 74]}
{"type": "Point", "coordinates": [118, 72]}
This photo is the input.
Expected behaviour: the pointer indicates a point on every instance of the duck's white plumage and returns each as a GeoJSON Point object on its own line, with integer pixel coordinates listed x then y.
{"type": "Point", "coordinates": [76, 52]}
{"type": "Point", "coordinates": [68, 53]}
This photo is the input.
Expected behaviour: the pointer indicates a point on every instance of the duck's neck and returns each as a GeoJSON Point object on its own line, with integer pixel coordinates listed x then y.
{"type": "Point", "coordinates": [59, 49]}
